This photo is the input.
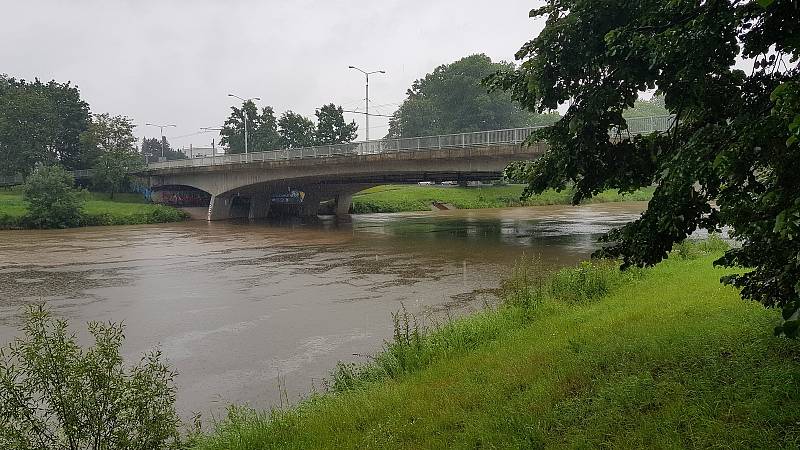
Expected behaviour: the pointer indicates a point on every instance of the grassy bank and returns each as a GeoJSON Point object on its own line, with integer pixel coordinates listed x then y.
{"type": "Point", "coordinates": [99, 209]}
{"type": "Point", "coordinates": [588, 357]}
{"type": "Point", "coordinates": [402, 198]}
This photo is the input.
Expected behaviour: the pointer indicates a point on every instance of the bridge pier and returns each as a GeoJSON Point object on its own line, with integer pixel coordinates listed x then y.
{"type": "Point", "coordinates": [219, 208]}
{"type": "Point", "coordinates": [343, 202]}
{"type": "Point", "coordinates": [260, 204]}
{"type": "Point", "coordinates": [310, 205]}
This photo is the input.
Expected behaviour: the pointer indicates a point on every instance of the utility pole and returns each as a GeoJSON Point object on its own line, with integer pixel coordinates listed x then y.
{"type": "Point", "coordinates": [161, 127]}
{"type": "Point", "coordinates": [213, 147]}
{"type": "Point", "coordinates": [366, 74]}
{"type": "Point", "coordinates": [244, 110]}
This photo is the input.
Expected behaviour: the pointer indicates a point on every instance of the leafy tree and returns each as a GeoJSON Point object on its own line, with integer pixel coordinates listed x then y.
{"type": "Point", "coordinates": [262, 129]}
{"type": "Point", "coordinates": [56, 395]}
{"type": "Point", "coordinates": [452, 100]}
{"type": "Point", "coordinates": [332, 128]}
{"type": "Point", "coordinates": [296, 131]}
{"type": "Point", "coordinates": [731, 159]}
{"type": "Point", "coordinates": [40, 123]}
{"type": "Point", "coordinates": [152, 148]}
{"type": "Point", "coordinates": [53, 201]}
{"type": "Point", "coordinates": [112, 141]}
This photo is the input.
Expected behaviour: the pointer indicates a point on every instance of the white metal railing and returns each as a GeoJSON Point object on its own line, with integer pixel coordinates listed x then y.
{"type": "Point", "coordinates": [393, 145]}
{"type": "Point", "coordinates": [11, 180]}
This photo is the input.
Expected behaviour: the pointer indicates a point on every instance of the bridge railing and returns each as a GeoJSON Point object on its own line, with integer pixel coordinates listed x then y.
{"type": "Point", "coordinates": [11, 180]}
{"type": "Point", "coordinates": [512, 136]}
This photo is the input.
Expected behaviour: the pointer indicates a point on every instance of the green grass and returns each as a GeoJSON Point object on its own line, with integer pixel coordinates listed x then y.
{"type": "Point", "coordinates": [586, 357]}
{"type": "Point", "coordinates": [402, 198]}
{"type": "Point", "coordinates": [125, 209]}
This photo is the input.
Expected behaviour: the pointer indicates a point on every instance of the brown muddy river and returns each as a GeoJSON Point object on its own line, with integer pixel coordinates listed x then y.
{"type": "Point", "coordinates": [244, 311]}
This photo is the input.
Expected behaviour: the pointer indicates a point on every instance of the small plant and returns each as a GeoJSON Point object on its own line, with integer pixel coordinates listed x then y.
{"type": "Point", "coordinates": [588, 281]}
{"type": "Point", "coordinates": [56, 395]}
{"type": "Point", "coordinates": [525, 286]}
{"type": "Point", "coordinates": [528, 287]}
{"type": "Point", "coordinates": [53, 201]}
{"type": "Point", "coordinates": [692, 249]}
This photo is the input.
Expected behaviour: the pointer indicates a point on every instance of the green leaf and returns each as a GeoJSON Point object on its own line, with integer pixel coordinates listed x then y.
{"type": "Point", "coordinates": [778, 91]}
{"type": "Point", "coordinates": [765, 3]}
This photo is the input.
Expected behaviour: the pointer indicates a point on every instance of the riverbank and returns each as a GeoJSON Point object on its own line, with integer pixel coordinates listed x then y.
{"type": "Point", "coordinates": [407, 198]}
{"type": "Point", "coordinates": [587, 357]}
{"type": "Point", "coordinates": [98, 209]}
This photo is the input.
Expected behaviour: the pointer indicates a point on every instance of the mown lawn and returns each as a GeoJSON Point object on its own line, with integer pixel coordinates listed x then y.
{"type": "Point", "coordinates": [660, 358]}
{"type": "Point", "coordinates": [402, 198]}
{"type": "Point", "coordinates": [98, 209]}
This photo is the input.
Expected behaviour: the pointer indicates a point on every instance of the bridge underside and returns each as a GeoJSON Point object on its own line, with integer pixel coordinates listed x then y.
{"type": "Point", "coordinates": [246, 189]}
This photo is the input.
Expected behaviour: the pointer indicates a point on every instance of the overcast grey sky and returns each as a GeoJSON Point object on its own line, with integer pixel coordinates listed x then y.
{"type": "Point", "coordinates": [176, 61]}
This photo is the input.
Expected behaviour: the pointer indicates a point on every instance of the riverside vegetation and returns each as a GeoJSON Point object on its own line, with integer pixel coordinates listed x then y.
{"type": "Point", "coordinates": [404, 198]}
{"type": "Point", "coordinates": [587, 356]}
{"type": "Point", "coordinates": [48, 200]}
{"type": "Point", "coordinates": [125, 209]}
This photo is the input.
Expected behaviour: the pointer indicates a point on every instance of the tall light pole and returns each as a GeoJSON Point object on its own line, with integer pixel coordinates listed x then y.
{"type": "Point", "coordinates": [244, 110]}
{"type": "Point", "coordinates": [161, 127]}
{"type": "Point", "coordinates": [366, 74]}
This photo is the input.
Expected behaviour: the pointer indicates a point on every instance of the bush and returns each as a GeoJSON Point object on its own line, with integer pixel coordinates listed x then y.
{"type": "Point", "coordinates": [53, 201]}
{"type": "Point", "coordinates": [690, 249]}
{"type": "Point", "coordinates": [54, 394]}
{"type": "Point", "coordinates": [9, 222]}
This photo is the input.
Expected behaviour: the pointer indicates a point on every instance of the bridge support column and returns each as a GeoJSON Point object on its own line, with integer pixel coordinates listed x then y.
{"type": "Point", "coordinates": [259, 205]}
{"type": "Point", "coordinates": [343, 202]}
{"type": "Point", "coordinates": [310, 205]}
{"type": "Point", "coordinates": [219, 208]}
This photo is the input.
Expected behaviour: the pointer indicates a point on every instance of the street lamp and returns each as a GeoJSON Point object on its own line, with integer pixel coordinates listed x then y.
{"type": "Point", "coordinates": [366, 74]}
{"type": "Point", "coordinates": [161, 127]}
{"type": "Point", "coordinates": [244, 110]}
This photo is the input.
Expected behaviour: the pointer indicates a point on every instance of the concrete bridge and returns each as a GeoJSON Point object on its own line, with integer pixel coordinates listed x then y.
{"type": "Point", "coordinates": [242, 185]}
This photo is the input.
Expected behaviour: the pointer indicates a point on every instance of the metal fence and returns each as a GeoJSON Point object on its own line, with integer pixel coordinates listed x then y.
{"type": "Point", "coordinates": [11, 180]}
{"type": "Point", "coordinates": [14, 180]}
{"type": "Point", "coordinates": [639, 125]}
{"type": "Point", "coordinates": [513, 136]}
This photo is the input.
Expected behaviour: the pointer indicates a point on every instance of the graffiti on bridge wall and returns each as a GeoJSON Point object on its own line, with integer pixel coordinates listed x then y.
{"type": "Point", "coordinates": [181, 198]}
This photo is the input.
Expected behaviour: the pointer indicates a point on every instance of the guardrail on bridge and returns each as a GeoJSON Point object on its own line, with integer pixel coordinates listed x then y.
{"type": "Point", "coordinates": [514, 136]}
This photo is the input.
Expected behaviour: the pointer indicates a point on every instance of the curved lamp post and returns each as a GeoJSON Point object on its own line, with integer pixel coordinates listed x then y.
{"type": "Point", "coordinates": [366, 74]}
{"type": "Point", "coordinates": [244, 111]}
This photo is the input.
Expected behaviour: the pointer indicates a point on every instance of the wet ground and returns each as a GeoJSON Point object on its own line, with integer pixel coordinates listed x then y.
{"type": "Point", "coordinates": [244, 311]}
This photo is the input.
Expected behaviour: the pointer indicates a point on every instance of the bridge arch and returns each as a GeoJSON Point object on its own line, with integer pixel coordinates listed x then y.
{"type": "Point", "coordinates": [255, 201]}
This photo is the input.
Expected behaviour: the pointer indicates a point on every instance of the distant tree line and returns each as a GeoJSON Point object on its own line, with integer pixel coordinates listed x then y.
{"type": "Point", "coordinates": [291, 130]}
{"type": "Point", "coordinates": [451, 99]}
{"type": "Point", "coordinates": [154, 148]}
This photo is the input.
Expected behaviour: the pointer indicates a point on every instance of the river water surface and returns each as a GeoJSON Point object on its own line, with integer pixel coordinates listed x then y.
{"type": "Point", "coordinates": [245, 311]}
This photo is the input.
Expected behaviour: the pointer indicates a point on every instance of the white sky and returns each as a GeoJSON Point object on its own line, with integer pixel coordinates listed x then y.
{"type": "Point", "coordinates": [176, 61]}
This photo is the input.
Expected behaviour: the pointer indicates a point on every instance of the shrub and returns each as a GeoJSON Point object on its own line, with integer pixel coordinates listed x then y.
{"type": "Point", "coordinates": [54, 394]}
{"type": "Point", "coordinates": [53, 201]}
{"type": "Point", "coordinates": [8, 222]}
{"type": "Point", "coordinates": [689, 249]}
